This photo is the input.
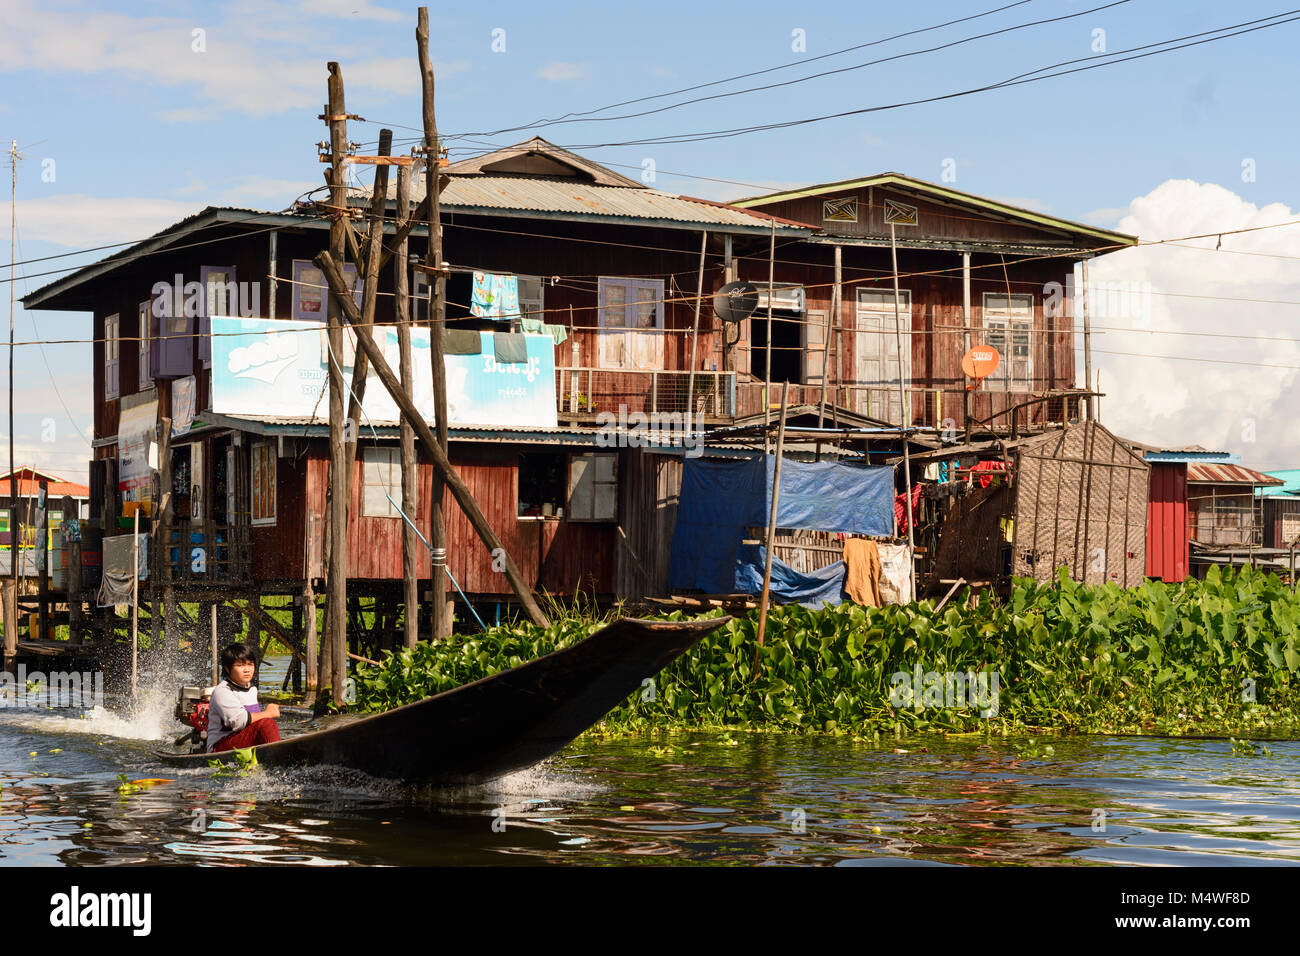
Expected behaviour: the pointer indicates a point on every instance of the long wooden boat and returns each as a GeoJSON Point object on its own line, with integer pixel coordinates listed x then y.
{"type": "Point", "coordinates": [496, 725]}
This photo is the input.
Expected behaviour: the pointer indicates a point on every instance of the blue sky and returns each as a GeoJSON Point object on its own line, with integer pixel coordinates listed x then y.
{"type": "Point", "coordinates": [126, 126]}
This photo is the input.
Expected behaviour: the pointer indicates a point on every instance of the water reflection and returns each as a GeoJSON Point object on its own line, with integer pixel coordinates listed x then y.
{"type": "Point", "coordinates": [695, 798]}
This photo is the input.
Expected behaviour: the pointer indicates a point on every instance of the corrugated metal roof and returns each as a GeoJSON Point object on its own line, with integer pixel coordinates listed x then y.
{"type": "Point", "coordinates": [564, 195]}
{"type": "Point", "coordinates": [1228, 474]}
{"type": "Point", "coordinates": [567, 196]}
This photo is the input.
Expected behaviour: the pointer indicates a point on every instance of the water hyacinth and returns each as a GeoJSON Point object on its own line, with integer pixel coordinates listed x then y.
{"type": "Point", "coordinates": [1216, 656]}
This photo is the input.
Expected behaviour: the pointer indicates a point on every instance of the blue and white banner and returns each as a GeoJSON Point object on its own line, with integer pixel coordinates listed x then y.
{"type": "Point", "coordinates": [280, 367]}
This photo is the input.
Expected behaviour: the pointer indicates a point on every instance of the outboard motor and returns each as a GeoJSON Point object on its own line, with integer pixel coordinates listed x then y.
{"type": "Point", "coordinates": [192, 709]}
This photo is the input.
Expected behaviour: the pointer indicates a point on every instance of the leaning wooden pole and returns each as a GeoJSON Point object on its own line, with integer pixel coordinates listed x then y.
{"type": "Point", "coordinates": [437, 321]}
{"type": "Point", "coordinates": [459, 490]}
{"type": "Point", "coordinates": [903, 410]}
{"type": "Point", "coordinates": [369, 296]}
{"type": "Point", "coordinates": [410, 490]}
{"type": "Point", "coordinates": [768, 545]}
{"type": "Point", "coordinates": [333, 657]}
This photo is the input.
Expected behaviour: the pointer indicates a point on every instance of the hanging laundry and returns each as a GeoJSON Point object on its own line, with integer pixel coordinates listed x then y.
{"type": "Point", "coordinates": [895, 574]}
{"type": "Point", "coordinates": [494, 296]}
{"type": "Point", "coordinates": [902, 513]}
{"type": "Point", "coordinates": [461, 342]}
{"type": "Point", "coordinates": [558, 333]}
{"type": "Point", "coordinates": [931, 472]}
{"type": "Point", "coordinates": [510, 347]}
{"type": "Point", "coordinates": [989, 466]}
{"type": "Point", "coordinates": [862, 575]}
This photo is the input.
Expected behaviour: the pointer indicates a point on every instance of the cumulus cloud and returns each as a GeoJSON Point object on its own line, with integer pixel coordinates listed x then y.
{"type": "Point", "coordinates": [260, 59]}
{"type": "Point", "coordinates": [78, 221]}
{"type": "Point", "coordinates": [1241, 397]}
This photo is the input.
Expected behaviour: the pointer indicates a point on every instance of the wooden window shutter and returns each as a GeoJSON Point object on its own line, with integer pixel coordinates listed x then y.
{"type": "Point", "coordinates": [175, 340]}
{"type": "Point", "coordinates": [112, 363]}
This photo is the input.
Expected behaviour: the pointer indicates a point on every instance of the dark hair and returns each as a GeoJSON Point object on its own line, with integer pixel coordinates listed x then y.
{"type": "Point", "coordinates": [232, 654]}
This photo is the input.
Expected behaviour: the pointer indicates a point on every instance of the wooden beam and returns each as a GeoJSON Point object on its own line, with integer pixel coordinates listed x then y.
{"type": "Point", "coordinates": [459, 490]}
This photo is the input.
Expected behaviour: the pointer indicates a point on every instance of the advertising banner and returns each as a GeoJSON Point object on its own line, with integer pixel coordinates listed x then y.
{"type": "Point", "coordinates": [280, 367]}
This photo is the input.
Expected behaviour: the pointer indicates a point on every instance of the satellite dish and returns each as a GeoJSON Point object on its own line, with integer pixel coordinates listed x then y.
{"type": "Point", "coordinates": [735, 301]}
{"type": "Point", "coordinates": [980, 362]}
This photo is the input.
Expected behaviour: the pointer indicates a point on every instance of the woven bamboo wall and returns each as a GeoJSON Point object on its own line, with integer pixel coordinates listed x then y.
{"type": "Point", "coordinates": [1081, 501]}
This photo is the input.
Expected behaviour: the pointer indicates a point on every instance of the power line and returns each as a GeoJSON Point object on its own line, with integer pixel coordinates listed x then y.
{"type": "Point", "coordinates": [803, 79]}
{"type": "Point", "coordinates": [1110, 59]}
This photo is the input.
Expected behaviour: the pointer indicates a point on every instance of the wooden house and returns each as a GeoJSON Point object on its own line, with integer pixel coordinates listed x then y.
{"type": "Point", "coordinates": [973, 271]}
{"type": "Point", "coordinates": [610, 269]}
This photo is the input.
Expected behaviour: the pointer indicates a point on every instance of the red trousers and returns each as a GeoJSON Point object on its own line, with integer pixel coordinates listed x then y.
{"type": "Point", "coordinates": [262, 732]}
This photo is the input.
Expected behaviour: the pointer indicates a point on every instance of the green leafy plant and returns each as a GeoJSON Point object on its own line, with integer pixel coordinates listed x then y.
{"type": "Point", "coordinates": [1215, 656]}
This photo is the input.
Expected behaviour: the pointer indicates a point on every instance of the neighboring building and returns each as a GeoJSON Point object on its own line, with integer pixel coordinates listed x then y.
{"type": "Point", "coordinates": [20, 507]}
{"type": "Point", "coordinates": [1222, 508]}
{"type": "Point", "coordinates": [1280, 510]}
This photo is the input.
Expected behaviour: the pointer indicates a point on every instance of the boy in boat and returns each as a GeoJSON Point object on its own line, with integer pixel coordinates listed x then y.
{"type": "Point", "coordinates": [235, 719]}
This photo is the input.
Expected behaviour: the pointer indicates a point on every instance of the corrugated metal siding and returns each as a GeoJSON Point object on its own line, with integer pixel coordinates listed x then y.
{"type": "Point", "coordinates": [1274, 509]}
{"type": "Point", "coordinates": [1167, 554]}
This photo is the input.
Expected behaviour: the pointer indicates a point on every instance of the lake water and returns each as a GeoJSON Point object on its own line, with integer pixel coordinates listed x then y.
{"type": "Point", "coordinates": [708, 798]}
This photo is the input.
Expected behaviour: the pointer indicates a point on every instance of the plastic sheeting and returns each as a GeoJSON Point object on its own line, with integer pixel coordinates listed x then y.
{"type": "Point", "coordinates": [719, 499]}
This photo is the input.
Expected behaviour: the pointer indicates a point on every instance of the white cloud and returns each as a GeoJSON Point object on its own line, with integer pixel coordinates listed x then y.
{"type": "Point", "coordinates": [1215, 404]}
{"type": "Point", "coordinates": [79, 221]}
{"type": "Point", "coordinates": [558, 72]}
{"type": "Point", "coordinates": [1105, 216]}
{"type": "Point", "coordinates": [259, 59]}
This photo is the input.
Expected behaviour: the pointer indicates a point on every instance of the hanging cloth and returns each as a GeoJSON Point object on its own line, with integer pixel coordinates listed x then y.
{"type": "Point", "coordinates": [494, 296]}
{"type": "Point", "coordinates": [862, 578]}
{"type": "Point", "coordinates": [461, 342]}
{"type": "Point", "coordinates": [901, 511]}
{"type": "Point", "coordinates": [510, 347]}
{"type": "Point", "coordinates": [895, 574]}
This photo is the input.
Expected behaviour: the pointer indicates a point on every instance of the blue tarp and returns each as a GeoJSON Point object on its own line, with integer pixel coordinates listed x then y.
{"type": "Point", "coordinates": [720, 499]}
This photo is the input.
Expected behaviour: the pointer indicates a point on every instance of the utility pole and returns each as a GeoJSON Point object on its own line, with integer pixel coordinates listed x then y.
{"type": "Point", "coordinates": [410, 474]}
{"type": "Point", "coordinates": [334, 650]}
{"type": "Point", "coordinates": [15, 537]}
{"type": "Point", "coordinates": [437, 320]}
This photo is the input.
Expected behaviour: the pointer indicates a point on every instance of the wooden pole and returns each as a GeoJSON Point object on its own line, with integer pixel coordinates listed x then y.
{"type": "Point", "coordinates": [168, 637]}
{"type": "Point", "coordinates": [767, 372]}
{"type": "Point", "coordinates": [42, 554]}
{"type": "Point", "coordinates": [369, 296]}
{"type": "Point", "coordinates": [1087, 344]}
{"type": "Point", "coordinates": [437, 320]}
{"type": "Point", "coordinates": [410, 491]}
{"type": "Point", "coordinates": [72, 549]}
{"type": "Point", "coordinates": [967, 397]}
{"type": "Point", "coordinates": [135, 605]}
{"type": "Point", "coordinates": [334, 653]}
{"type": "Point", "coordinates": [695, 331]}
{"type": "Point", "coordinates": [771, 526]}
{"type": "Point", "coordinates": [216, 668]}
{"type": "Point", "coordinates": [10, 599]}
{"type": "Point", "coordinates": [903, 407]}
{"type": "Point", "coordinates": [459, 490]}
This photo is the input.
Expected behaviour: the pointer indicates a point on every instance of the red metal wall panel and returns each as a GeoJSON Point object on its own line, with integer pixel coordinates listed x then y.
{"type": "Point", "coordinates": [1167, 554]}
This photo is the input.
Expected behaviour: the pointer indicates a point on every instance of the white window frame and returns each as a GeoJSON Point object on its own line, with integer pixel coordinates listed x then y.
{"type": "Point", "coordinates": [112, 360]}
{"type": "Point", "coordinates": [628, 344]}
{"type": "Point", "coordinates": [266, 451]}
{"type": "Point", "coordinates": [375, 461]}
{"type": "Point", "coordinates": [592, 493]}
{"type": "Point", "coordinates": [144, 377]}
{"type": "Point", "coordinates": [1002, 325]}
